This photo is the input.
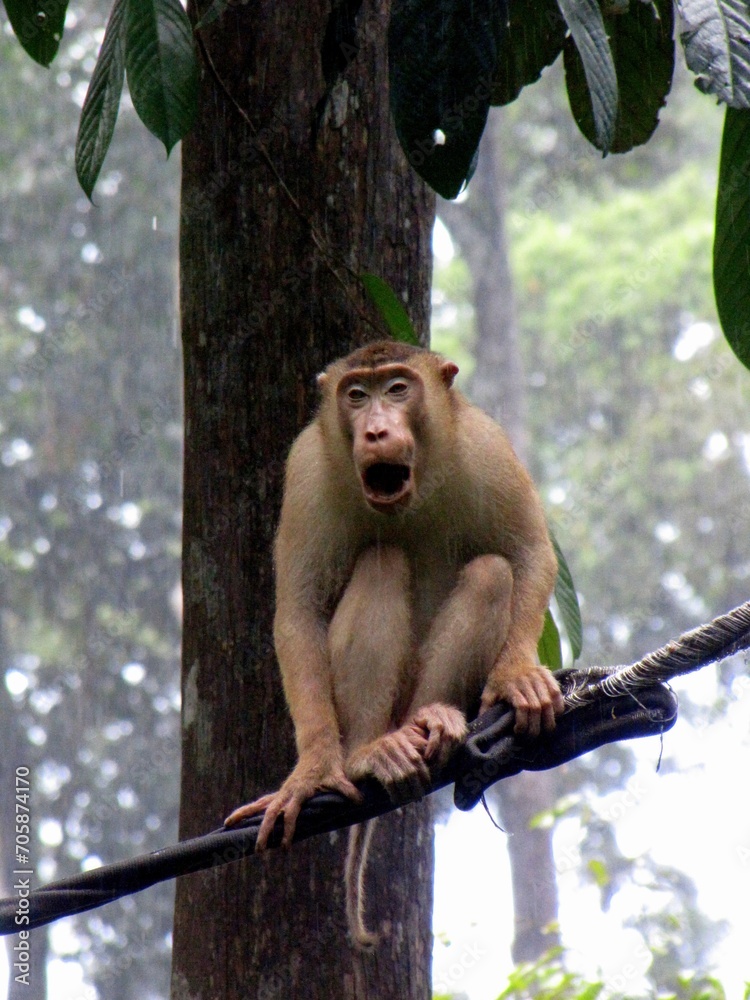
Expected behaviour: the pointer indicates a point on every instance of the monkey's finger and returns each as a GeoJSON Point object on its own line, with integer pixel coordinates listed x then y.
{"type": "Point", "coordinates": [345, 787]}
{"type": "Point", "coordinates": [522, 720]}
{"type": "Point", "coordinates": [248, 810]}
{"type": "Point", "coordinates": [528, 710]}
{"type": "Point", "coordinates": [552, 705]}
{"type": "Point", "coordinates": [273, 812]}
{"type": "Point", "coordinates": [549, 696]}
{"type": "Point", "coordinates": [291, 812]}
{"type": "Point", "coordinates": [401, 761]}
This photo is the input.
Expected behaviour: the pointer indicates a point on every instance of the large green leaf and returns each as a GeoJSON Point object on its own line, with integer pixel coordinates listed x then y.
{"type": "Point", "coordinates": [442, 59]}
{"type": "Point", "coordinates": [102, 103]}
{"type": "Point", "coordinates": [533, 40]}
{"type": "Point", "coordinates": [588, 38]}
{"type": "Point", "coordinates": [640, 39]}
{"type": "Point", "coordinates": [732, 239]}
{"type": "Point", "coordinates": [391, 308]}
{"type": "Point", "coordinates": [161, 66]}
{"type": "Point", "coordinates": [716, 37]}
{"type": "Point", "coordinates": [549, 649]}
{"type": "Point", "coordinates": [38, 25]}
{"type": "Point", "coordinates": [567, 602]}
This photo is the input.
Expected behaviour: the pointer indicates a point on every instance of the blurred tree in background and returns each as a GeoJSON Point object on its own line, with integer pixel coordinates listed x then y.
{"type": "Point", "coordinates": [90, 444]}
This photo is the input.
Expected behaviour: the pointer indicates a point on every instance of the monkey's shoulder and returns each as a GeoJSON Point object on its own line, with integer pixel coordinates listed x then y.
{"type": "Point", "coordinates": [313, 500]}
{"type": "Point", "coordinates": [485, 449]}
{"type": "Point", "coordinates": [500, 493]}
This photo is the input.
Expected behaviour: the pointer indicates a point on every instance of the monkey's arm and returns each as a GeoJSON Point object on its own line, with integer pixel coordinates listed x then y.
{"type": "Point", "coordinates": [300, 637]}
{"type": "Point", "coordinates": [520, 534]}
{"type": "Point", "coordinates": [301, 650]}
{"type": "Point", "coordinates": [517, 677]}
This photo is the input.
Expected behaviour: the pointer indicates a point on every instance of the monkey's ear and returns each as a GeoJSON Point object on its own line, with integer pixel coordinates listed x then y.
{"type": "Point", "coordinates": [321, 380]}
{"type": "Point", "coordinates": [448, 371]}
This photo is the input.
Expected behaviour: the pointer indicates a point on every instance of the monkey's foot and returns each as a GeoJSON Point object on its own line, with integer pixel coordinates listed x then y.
{"type": "Point", "coordinates": [305, 780]}
{"type": "Point", "coordinates": [396, 760]}
{"type": "Point", "coordinates": [445, 727]}
{"type": "Point", "coordinates": [532, 691]}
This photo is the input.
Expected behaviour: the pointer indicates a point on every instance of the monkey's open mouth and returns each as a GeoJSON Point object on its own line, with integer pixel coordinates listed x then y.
{"type": "Point", "coordinates": [386, 483]}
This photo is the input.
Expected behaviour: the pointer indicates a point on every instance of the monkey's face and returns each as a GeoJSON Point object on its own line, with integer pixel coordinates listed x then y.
{"type": "Point", "coordinates": [380, 411]}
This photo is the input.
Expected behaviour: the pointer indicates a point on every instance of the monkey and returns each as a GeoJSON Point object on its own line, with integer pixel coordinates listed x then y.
{"type": "Point", "coordinates": [413, 570]}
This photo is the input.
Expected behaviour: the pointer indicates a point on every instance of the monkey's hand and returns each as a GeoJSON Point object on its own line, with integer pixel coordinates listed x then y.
{"type": "Point", "coordinates": [445, 727]}
{"type": "Point", "coordinates": [532, 691]}
{"type": "Point", "coordinates": [313, 773]}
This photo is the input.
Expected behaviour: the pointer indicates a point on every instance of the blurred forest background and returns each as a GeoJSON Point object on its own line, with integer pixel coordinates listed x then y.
{"type": "Point", "coordinates": [612, 377]}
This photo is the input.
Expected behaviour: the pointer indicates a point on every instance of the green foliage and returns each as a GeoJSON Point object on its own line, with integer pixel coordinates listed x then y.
{"type": "Point", "coordinates": [567, 602]}
{"type": "Point", "coordinates": [391, 308]}
{"type": "Point", "coordinates": [732, 241]}
{"type": "Point", "coordinates": [449, 61]}
{"type": "Point", "coordinates": [161, 66]}
{"type": "Point", "coordinates": [38, 26]}
{"type": "Point", "coordinates": [99, 113]}
{"type": "Point", "coordinates": [640, 39]}
{"type": "Point", "coordinates": [535, 37]}
{"type": "Point", "coordinates": [588, 57]}
{"type": "Point", "coordinates": [152, 41]}
{"type": "Point", "coordinates": [715, 37]}
{"type": "Point", "coordinates": [442, 58]}
{"type": "Point", "coordinates": [547, 979]}
{"type": "Point", "coordinates": [549, 649]}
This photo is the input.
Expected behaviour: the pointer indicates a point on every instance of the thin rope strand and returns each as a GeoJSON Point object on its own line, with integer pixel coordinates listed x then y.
{"type": "Point", "coordinates": [722, 637]}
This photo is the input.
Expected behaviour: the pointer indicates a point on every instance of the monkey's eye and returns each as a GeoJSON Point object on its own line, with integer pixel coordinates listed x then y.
{"type": "Point", "coordinates": [397, 388]}
{"type": "Point", "coordinates": [356, 394]}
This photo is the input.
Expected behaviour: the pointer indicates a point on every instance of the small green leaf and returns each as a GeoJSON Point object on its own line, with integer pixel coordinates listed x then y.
{"type": "Point", "coordinates": [549, 648]}
{"type": "Point", "coordinates": [162, 67]}
{"type": "Point", "coordinates": [732, 238]}
{"type": "Point", "coordinates": [567, 602]}
{"type": "Point", "coordinates": [588, 38]}
{"type": "Point", "coordinates": [442, 56]}
{"type": "Point", "coordinates": [598, 871]}
{"type": "Point", "coordinates": [715, 35]}
{"type": "Point", "coordinates": [102, 103]}
{"type": "Point", "coordinates": [533, 40]}
{"type": "Point", "coordinates": [640, 38]}
{"type": "Point", "coordinates": [390, 308]}
{"type": "Point", "coordinates": [38, 25]}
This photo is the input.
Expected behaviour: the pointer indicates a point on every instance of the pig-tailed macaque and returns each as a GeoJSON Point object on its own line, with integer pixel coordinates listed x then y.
{"type": "Point", "coordinates": [413, 571]}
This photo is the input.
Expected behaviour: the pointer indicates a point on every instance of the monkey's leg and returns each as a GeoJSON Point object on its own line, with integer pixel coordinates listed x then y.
{"type": "Point", "coordinates": [369, 641]}
{"type": "Point", "coordinates": [463, 643]}
{"type": "Point", "coordinates": [372, 658]}
{"type": "Point", "coordinates": [462, 653]}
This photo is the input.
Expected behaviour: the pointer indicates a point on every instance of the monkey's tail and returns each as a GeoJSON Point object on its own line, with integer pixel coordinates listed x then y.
{"type": "Point", "coordinates": [354, 880]}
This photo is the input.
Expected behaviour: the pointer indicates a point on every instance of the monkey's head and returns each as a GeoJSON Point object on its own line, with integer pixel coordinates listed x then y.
{"type": "Point", "coordinates": [387, 410]}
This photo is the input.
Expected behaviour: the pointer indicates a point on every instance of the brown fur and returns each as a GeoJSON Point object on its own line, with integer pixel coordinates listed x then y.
{"type": "Point", "coordinates": [413, 570]}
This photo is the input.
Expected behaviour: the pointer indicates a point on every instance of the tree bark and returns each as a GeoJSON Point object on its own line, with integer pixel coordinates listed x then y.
{"type": "Point", "coordinates": [276, 215]}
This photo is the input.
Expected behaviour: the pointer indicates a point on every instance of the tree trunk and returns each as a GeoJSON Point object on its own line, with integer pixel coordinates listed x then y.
{"type": "Point", "coordinates": [498, 386]}
{"type": "Point", "coordinates": [276, 216]}
{"type": "Point", "coordinates": [478, 225]}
